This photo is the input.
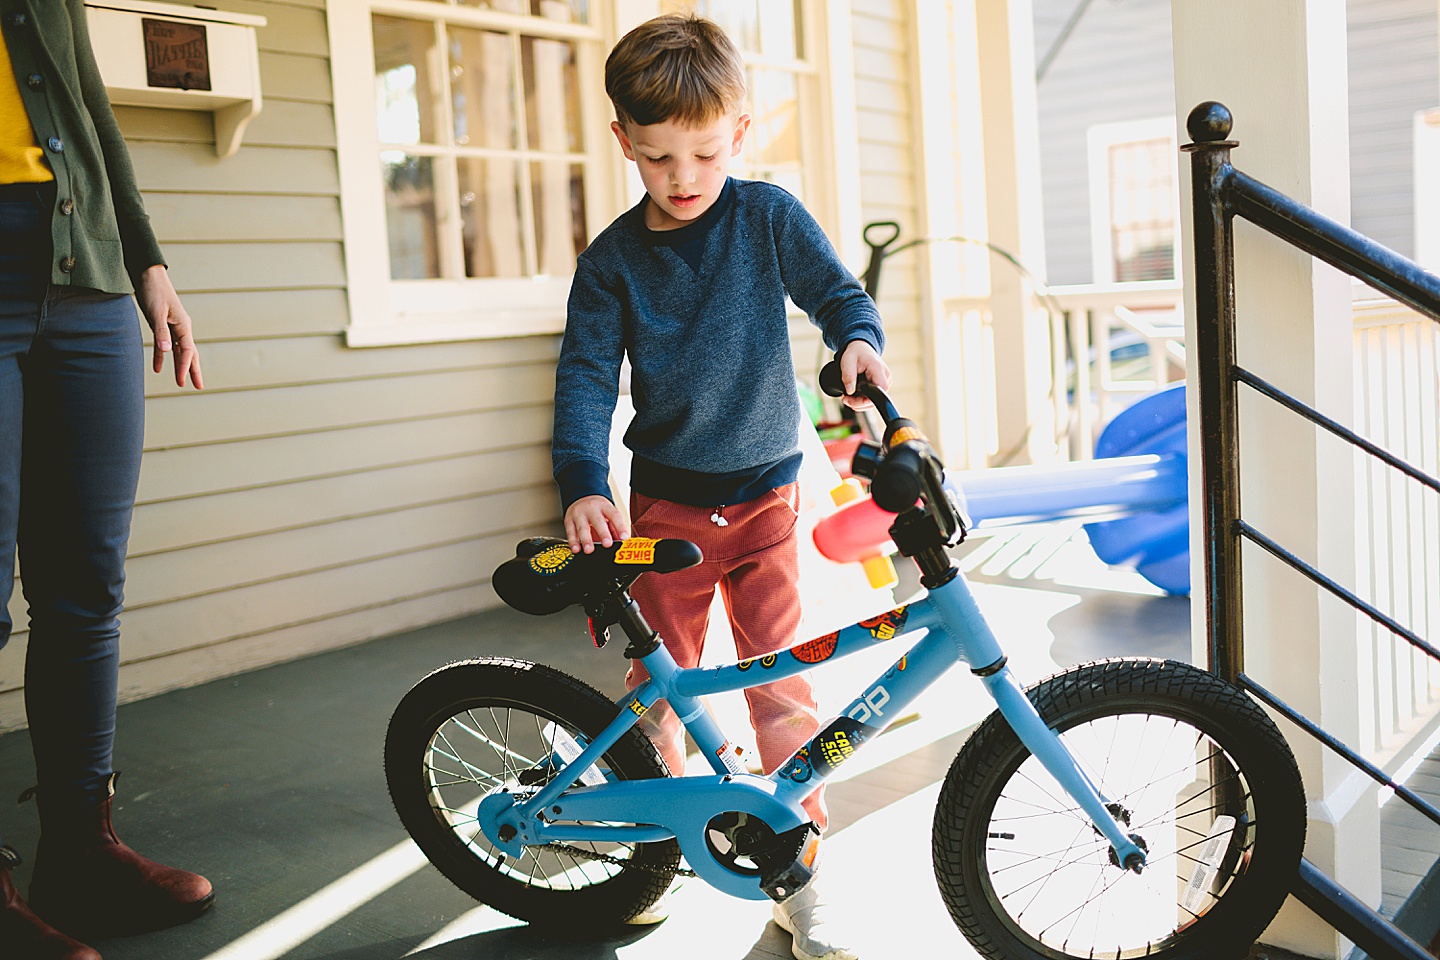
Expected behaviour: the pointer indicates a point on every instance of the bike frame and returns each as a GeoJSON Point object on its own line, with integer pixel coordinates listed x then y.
{"type": "Point", "coordinates": [635, 811]}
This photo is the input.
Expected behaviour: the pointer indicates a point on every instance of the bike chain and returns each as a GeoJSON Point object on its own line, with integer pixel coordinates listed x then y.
{"type": "Point", "coordinates": [616, 861]}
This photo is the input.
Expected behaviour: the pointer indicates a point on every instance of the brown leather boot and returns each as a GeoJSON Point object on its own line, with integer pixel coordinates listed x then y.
{"type": "Point", "coordinates": [87, 882]}
{"type": "Point", "coordinates": [29, 937]}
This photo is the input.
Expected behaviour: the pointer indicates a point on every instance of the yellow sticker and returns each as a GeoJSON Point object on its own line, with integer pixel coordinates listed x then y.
{"type": "Point", "coordinates": [551, 560]}
{"type": "Point", "coordinates": [905, 435]}
{"type": "Point", "coordinates": [636, 550]}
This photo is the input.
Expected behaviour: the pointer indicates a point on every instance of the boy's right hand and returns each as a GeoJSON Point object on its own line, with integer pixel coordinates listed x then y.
{"type": "Point", "coordinates": [591, 520]}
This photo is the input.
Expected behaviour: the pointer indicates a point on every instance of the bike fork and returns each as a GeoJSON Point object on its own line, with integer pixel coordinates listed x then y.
{"type": "Point", "coordinates": [1044, 744]}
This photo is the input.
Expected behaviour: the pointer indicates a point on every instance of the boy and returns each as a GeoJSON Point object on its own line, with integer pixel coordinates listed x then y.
{"type": "Point", "coordinates": [691, 284]}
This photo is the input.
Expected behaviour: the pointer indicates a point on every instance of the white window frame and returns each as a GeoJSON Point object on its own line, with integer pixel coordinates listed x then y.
{"type": "Point", "coordinates": [385, 311]}
{"type": "Point", "coordinates": [1100, 138]}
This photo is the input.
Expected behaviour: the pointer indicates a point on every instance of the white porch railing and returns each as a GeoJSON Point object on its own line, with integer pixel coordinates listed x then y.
{"type": "Point", "coordinates": [1093, 321]}
{"type": "Point", "coordinates": [1095, 325]}
{"type": "Point", "coordinates": [1397, 405]}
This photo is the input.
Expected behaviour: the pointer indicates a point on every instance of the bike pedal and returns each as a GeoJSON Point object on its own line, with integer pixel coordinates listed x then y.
{"type": "Point", "coordinates": [788, 861]}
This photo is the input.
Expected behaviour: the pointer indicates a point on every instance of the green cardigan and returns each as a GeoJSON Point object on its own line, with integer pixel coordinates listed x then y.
{"type": "Point", "coordinates": [102, 236]}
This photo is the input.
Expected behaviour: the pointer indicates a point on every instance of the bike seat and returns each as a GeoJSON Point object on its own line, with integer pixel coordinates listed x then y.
{"type": "Point", "coordinates": [545, 576]}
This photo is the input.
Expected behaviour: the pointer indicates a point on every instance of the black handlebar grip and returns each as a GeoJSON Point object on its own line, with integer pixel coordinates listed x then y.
{"type": "Point", "coordinates": [830, 380]}
{"type": "Point", "coordinates": [897, 483]}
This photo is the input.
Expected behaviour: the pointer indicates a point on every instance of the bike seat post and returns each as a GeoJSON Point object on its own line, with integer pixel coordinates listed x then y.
{"type": "Point", "coordinates": [643, 638]}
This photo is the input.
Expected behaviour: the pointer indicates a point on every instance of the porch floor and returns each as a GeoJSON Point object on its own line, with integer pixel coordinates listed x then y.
{"type": "Point", "coordinates": [271, 784]}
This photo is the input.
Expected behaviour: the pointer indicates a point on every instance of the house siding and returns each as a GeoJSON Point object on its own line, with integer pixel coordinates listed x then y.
{"type": "Point", "coordinates": [312, 495]}
{"type": "Point", "coordinates": [1115, 66]}
{"type": "Point", "coordinates": [888, 182]}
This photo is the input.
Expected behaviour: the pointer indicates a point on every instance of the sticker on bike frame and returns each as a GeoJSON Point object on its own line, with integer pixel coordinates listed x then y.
{"type": "Point", "coordinates": [766, 662]}
{"type": "Point", "coordinates": [834, 745]}
{"type": "Point", "coordinates": [887, 624]}
{"type": "Point", "coordinates": [799, 769]}
{"type": "Point", "coordinates": [551, 560]}
{"type": "Point", "coordinates": [638, 708]}
{"type": "Point", "coordinates": [818, 650]}
{"type": "Point", "coordinates": [636, 550]}
{"type": "Point", "coordinates": [871, 706]}
{"type": "Point", "coordinates": [905, 435]}
{"type": "Point", "coordinates": [729, 755]}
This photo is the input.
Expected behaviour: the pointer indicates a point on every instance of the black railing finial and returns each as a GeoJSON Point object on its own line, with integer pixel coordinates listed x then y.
{"type": "Point", "coordinates": [1209, 122]}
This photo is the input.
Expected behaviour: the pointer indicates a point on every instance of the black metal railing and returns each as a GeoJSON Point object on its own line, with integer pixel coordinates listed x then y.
{"type": "Point", "coordinates": [1221, 193]}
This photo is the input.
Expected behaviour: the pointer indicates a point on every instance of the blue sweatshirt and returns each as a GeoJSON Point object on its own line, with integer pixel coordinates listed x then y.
{"type": "Point", "coordinates": [712, 379]}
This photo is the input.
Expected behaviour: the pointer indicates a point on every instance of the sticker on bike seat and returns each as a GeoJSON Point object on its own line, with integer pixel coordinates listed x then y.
{"type": "Point", "coordinates": [636, 550]}
{"type": "Point", "coordinates": [551, 560]}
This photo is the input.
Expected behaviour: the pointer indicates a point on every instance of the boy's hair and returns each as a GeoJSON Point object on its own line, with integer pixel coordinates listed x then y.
{"type": "Point", "coordinates": [674, 67]}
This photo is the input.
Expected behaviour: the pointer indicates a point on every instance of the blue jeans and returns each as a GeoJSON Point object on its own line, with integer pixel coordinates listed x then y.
{"type": "Point", "coordinates": [71, 431]}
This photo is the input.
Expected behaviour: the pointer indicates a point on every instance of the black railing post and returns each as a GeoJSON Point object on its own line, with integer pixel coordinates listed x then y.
{"type": "Point", "coordinates": [1208, 125]}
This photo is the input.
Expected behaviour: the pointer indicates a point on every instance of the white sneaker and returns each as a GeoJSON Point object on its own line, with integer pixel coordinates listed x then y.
{"type": "Point", "coordinates": [808, 919]}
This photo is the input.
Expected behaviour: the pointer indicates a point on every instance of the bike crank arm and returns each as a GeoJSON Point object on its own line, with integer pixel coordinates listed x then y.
{"type": "Point", "coordinates": [1044, 744]}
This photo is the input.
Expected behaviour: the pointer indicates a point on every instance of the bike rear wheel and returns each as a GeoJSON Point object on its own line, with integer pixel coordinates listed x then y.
{"type": "Point", "coordinates": [477, 726]}
{"type": "Point", "coordinates": [1189, 764]}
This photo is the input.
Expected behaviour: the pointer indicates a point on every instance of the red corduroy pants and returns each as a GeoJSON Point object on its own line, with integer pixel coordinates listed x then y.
{"type": "Point", "coordinates": [754, 560]}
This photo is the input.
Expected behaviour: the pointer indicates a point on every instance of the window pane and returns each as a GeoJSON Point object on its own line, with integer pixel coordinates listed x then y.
{"type": "Point", "coordinates": [491, 217]}
{"type": "Point", "coordinates": [780, 29]}
{"type": "Point", "coordinates": [1141, 210]}
{"type": "Point", "coordinates": [407, 99]}
{"type": "Point", "coordinates": [775, 127]}
{"type": "Point", "coordinates": [410, 219]}
{"type": "Point", "coordinates": [739, 18]}
{"type": "Point", "coordinates": [552, 95]}
{"type": "Point", "coordinates": [559, 193]}
{"type": "Point", "coordinates": [482, 88]}
{"type": "Point", "coordinates": [502, 6]}
{"type": "Point", "coordinates": [570, 11]}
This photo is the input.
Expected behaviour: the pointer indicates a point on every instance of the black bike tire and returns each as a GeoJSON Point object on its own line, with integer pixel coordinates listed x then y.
{"type": "Point", "coordinates": [549, 693]}
{"type": "Point", "coordinates": [1113, 687]}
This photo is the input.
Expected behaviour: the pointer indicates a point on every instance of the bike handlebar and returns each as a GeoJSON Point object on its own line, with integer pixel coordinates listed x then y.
{"type": "Point", "coordinates": [904, 469]}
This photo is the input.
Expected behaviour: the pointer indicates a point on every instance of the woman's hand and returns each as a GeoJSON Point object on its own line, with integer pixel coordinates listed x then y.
{"type": "Point", "coordinates": [171, 324]}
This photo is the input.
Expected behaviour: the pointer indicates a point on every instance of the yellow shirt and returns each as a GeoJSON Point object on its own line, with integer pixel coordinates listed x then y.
{"type": "Point", "coordinates": [21, 159]}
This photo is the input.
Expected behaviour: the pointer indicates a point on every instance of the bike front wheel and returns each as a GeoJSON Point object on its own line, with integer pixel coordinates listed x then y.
{"type": "Point", "coordinates": [1188, 764]}
{"type": "Point", "coordinates": [478, 726]}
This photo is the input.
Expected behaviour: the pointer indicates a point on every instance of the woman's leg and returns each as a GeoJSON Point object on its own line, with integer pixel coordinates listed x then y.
{"type": "Point", "coordinates": [18, 319]}
{"type": "Point", "coordinates": [80, 462]}
{"type": "Point", "coordinates": [83, 433]}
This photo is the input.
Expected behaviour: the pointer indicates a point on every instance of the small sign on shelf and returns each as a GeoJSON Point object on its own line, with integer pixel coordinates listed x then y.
{"type": "Point", "coordinates": [176, 54]}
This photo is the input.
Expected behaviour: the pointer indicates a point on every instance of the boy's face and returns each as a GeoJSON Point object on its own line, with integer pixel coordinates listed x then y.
{"type": "Point", "coordinates": [683, 168]}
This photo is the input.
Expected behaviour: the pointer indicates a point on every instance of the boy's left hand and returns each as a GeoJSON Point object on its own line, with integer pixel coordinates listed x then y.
{"type": "Point", "coordinates": [859, 358]}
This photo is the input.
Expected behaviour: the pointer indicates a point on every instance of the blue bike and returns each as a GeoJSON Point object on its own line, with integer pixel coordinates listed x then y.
{"type": "Point", "coordinates": [1122, 808]}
